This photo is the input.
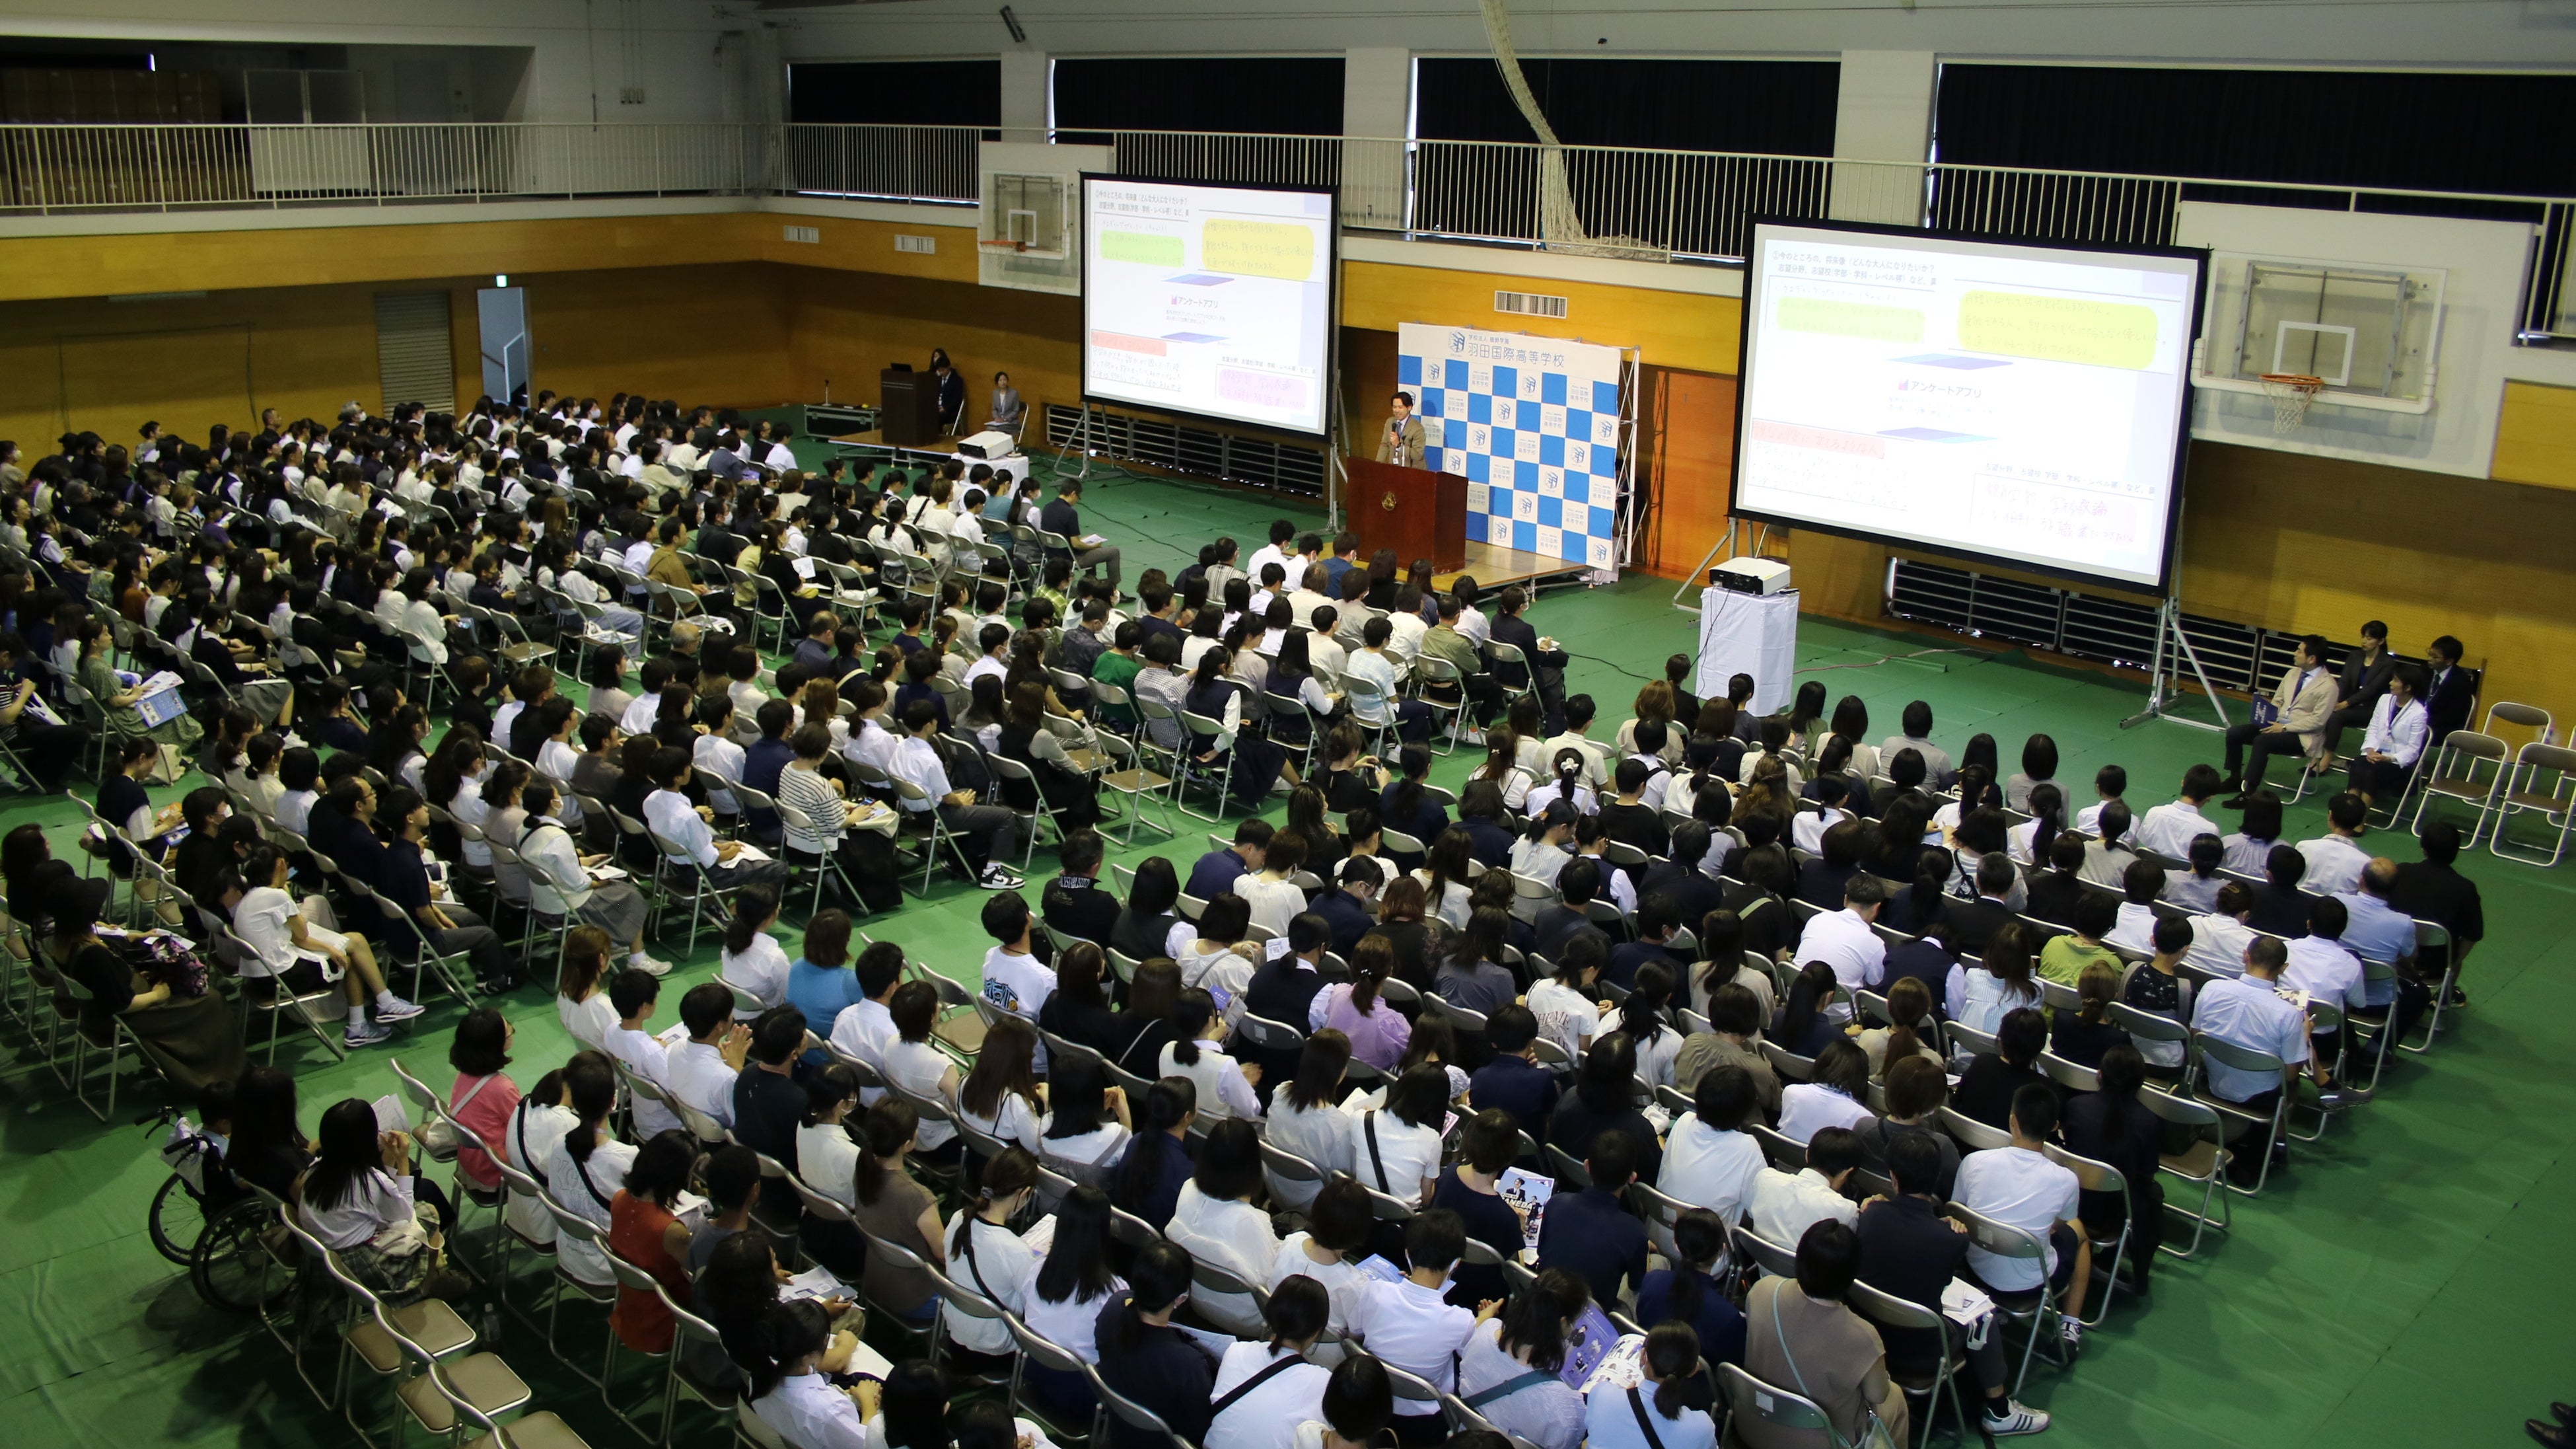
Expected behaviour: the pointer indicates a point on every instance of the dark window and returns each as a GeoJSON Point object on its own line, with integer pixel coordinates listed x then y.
{"type": "Point", "coordinates": [1772, 107]}
{"type": "Point", "coordinates": [2432, 132]}
{"type": "Point", "coordinates": [896, 92]}
{"type": "Point", "coordinates": [1284, 95]}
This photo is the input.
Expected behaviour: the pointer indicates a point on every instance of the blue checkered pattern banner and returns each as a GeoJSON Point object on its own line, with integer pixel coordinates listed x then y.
{"type": "Point", "coordinates": [1532, 424]}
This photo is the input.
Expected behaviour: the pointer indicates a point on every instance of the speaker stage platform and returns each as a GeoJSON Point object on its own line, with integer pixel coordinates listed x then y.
{"type": "Point", "coordinates": [1494, 566]}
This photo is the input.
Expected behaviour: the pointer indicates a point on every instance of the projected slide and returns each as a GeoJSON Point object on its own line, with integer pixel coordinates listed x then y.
{"type": "Point", "coordinates": [1214, 300]}
{"type": "Point", "coordinates": [2018, 403]}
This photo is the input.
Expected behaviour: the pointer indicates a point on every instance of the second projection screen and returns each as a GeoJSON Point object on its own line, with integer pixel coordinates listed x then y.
{"type": "Point", "coordinates": [2022, 404]}
{"type": "Point", "coordinates": [1213, 300]}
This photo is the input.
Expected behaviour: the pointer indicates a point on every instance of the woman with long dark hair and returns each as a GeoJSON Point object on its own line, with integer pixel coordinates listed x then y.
{"type": "Point", "coordinates": [1215, 1220]}
{"type": "Point", "coordinates": [1078, 1009]}
{"type": "Point", "coordinates": [1065, 1296]}
{"type": "Point", "coordinates": [644, 1231]}
{"type": "Point", "coordinates": [1150, 1174]}
{"type": "Point", "coordinates": [1000, 1096]}
{"type": "Point", "coordinates": [789, 1389]}
{"type": "Point", "coordinates": [1806, 1022]}
{"type": "Point", "coordinates": [362, 1200]}
{"type": "Point", "coordinates": [749, 956]}
{"type": "Point", "coordinates": [2038, 767]}
{"type": "Point", "coordinates": [588, 1167]}
{"type": "Point", "coordinates": [1519, 1353]}
{"type": "Point", "coordinates": [1087, 1120]}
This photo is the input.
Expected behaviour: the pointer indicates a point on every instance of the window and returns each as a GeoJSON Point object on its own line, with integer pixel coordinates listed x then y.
{"type": "Point", "coordinates": [1772, 107]}
{"type": "Point", "coordinates": [1279, 95]}
{"type": "Point", "coordinates": [896, 92]}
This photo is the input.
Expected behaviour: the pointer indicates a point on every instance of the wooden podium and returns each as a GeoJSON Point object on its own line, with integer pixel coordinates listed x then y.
{"type": "Point", "coordinates": [908, 407]}
{"type": "Point", "coordinates": [1415, 511]}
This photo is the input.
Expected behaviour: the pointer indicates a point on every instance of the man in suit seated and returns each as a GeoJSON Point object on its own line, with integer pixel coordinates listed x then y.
{"type": "Point", "coordinates": [1544, 657]}
{"type": "Point", "coordinates": [2450, 693]}
{"type": "Point", "coordinates": [2300, 704]}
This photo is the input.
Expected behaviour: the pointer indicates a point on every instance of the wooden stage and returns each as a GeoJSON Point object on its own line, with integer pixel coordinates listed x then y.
{"type": "Point", "coordinates": [1494, 566]}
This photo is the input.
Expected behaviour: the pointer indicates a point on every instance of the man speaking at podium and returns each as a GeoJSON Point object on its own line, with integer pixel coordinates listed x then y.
{"type": "Point", "coordinates": [1400, 441]}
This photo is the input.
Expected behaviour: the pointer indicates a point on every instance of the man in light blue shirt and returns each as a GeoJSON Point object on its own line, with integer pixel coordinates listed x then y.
{"type": "Point", "coordinates": [2380, 932]}
{"type": "Point", "coordinates": [2247, 1012]}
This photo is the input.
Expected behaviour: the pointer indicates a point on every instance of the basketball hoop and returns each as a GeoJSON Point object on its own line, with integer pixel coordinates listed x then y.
{"type": "Point", "coordinates": [2291, 392]}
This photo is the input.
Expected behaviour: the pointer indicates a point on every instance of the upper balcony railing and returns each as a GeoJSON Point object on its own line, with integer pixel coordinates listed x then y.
{"type": "Point", "coordinates": [1691, 206]}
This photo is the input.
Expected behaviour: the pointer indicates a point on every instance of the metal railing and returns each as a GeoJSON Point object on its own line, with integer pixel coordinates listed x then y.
{"type": "Point", "coordinates": [1619, 201]}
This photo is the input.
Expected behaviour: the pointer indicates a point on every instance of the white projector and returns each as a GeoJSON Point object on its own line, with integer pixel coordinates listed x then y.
{"type": "Point", "coordinates": [988, 445]}
{"type": "Point", "coordinates": [1751, 576]}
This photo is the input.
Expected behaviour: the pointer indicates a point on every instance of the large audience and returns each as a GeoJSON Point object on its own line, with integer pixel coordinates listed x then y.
{"type": "Point", "coordinates": [1771, 1047]}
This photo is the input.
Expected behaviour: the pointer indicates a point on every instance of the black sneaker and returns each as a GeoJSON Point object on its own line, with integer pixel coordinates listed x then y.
{"type": "Point", "coordinates": [2235, 802]}
{"type": "Point", "coordinates": [2457, 997]}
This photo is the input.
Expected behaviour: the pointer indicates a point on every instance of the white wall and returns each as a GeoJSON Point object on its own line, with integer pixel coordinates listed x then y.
{"type": "Point", "coordinates": [2480, 306]}
{"type": "Point", "coordinates": [680, 72]}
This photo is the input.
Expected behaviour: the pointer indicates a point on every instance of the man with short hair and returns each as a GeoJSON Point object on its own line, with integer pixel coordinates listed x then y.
{"type": "Point", "coordinates": [984, 835]}
{"type": "Point", "coordinates": [2432, 889]}
{"type": "Point", "coordinates": [1513, 1081]}
{"type": "Point", "coordinates": [1216, 871]}
{"type": "Point", "coordinates": [2246, 1011]}
{"type": "Point", "coordinates": [2299, 706]}
{"type": "Point", "coordinates": [1910, 1251]}
{"type": "Point", "coordinates": [1347, 911]}
{"type": "Point", "coordinates": [1401, 441]}
{"type": "Point", "coordinates": [2219, 938]}
{"type": "Point", "coordinates": [1917, 722]}
{"type": "Point", "coordinates": [633, 994]}
{"type": "Point", "coordinates": [1591, 1233]}
{"type": "Point", "coordinates": [1843, 940]}
{"type": "Point", "coordinates": [1063, 518]}
{"type": "Point", "coordinates": [2021, 1187]}
{"type": "Point", "coordinates": [2376, 931]}
{"type": "Point", "coordinates": [1409, 1323]}
{"type": "Point", "coordinates": [1786, 1204]}
{"type": "Point", "coordinates": [2336, 859]}
{"type": "Point", "coordinates": [703, 1068]}
{"type": "Point", "coordinates": [2169, 828]}
{"type": "Point", "coordinates": [1073, 902]}
{"type": "Point", "coordinates": [1277, 551]}
{"type": "Point", "coordinates": [1579, 713]}
{"type": "Point", "coordinates": [1377, 666]}
{"type": "Point", "coordinates": [2450, 692]}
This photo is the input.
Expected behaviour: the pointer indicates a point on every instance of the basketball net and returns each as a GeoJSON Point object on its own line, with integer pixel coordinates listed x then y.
{"type": "Point", "coordinates": [2291, 392]}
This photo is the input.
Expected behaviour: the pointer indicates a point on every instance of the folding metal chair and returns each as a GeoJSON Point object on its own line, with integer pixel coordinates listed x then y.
{"type": "Point", "coordinates": [2472, 768]}
{"type": "Point", "coordinates": [2033, 1313]}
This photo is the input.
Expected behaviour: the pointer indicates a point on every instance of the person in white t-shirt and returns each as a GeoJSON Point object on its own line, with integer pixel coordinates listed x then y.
{"type": "Point", "coordinates": [1215, 1221]}
{"type": "Point", "coordinates": [1409, 1323]}
{"type": "Point", "coordinates": [2020, 1187]}
{"type": "Point", "coordinates": [1709, 1160]}
{"type": "Point", "coordinates": [302, 958]}
{"type": "Point", "coordinates": [1339, 1222]}
{"type": "Point", "coordinates": [986, 1258]}
{"type": "Point", "coordinates": [632, 995]}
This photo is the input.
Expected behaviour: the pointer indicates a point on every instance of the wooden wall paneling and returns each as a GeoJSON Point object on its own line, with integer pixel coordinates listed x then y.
{"type": "Point", "coordinates": [186, 381]}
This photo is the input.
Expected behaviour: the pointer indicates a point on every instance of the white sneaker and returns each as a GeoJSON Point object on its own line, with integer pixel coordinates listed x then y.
{"type": "Point", "coordinates": [649, 966]}
{"type": "Point", "coordinates": [396, 1009]}
{"type": "Point", "coordinates": [364, 1036]}
{"type": "Point", "coordinates": [2014, 1420]}
{"type": "Point", "coordinates": [2071, 1334]}
{"type": "Point", "coordinates": [1000, 877]}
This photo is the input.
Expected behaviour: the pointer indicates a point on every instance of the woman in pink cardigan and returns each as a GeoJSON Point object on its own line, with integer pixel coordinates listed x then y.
{"type": "Point", "coordinates": [1378, 1032]}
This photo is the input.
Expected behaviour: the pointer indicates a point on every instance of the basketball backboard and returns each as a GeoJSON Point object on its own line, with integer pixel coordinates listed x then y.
{"type": "Point", "coordinates": [2370, 331]}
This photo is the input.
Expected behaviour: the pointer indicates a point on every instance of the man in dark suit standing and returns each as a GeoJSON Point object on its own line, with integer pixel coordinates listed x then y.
{"type": "Point", "coordinates": [952, 395]}
{"type": "Point", "coordinates": [2452, 693]}
{"type": "Point", "coordinates": [1545, 659]}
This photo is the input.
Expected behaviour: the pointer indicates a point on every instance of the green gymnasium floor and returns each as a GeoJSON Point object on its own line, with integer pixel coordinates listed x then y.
{"type": "Point", "coordinates": [2394, 1289]}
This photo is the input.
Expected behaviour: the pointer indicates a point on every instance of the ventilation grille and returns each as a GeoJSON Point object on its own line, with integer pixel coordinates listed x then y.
{"type": "Point", "coordinates": [1529, 304]}
{"type": "Point", "coordinates": [415, 362]}
{"type": "Point", "coordinates": [1289, 468]}
{"type": "Point", "coordinates": [926, 245]}
{"type": "Point", "coordinates": [810, 235]}
{"type": "Point", "coordinates": [2111, 631]}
